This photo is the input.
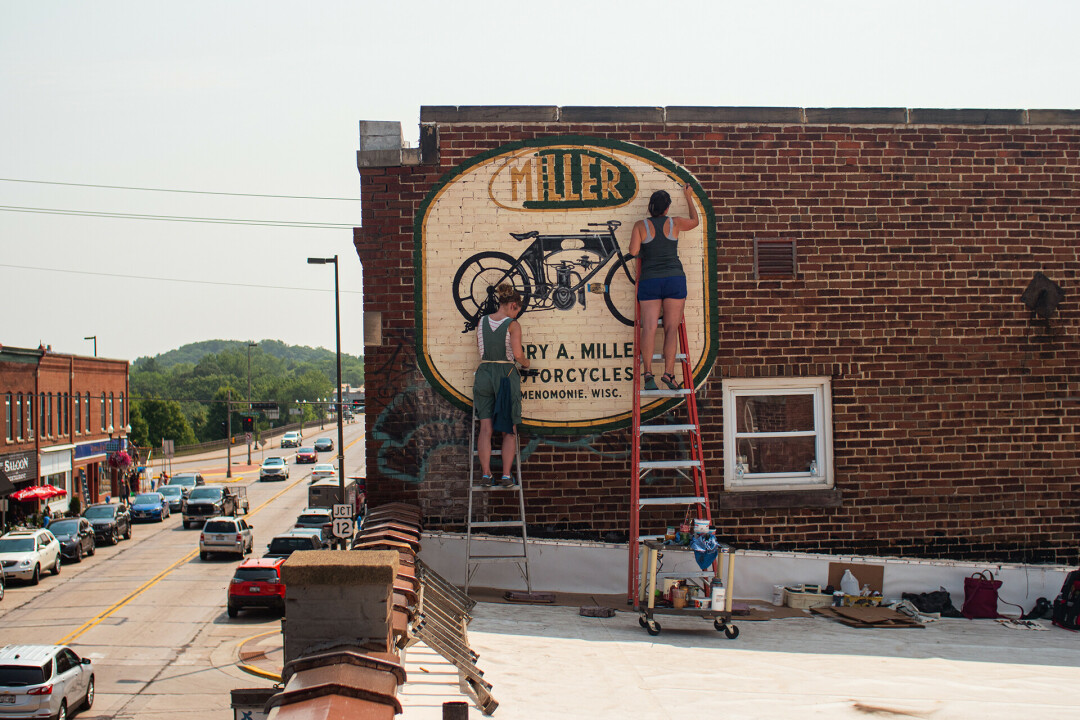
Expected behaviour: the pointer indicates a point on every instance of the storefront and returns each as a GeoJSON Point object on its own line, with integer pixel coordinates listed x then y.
{"type": "Point", "coordinates": [21, 471]}
{"type": "Point", "coordinates": [56, 471]}
{"type": "Point", "coordinates": [91, 471]}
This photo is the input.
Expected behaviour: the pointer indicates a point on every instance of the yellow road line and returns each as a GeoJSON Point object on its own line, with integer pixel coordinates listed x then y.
{"type": "Point", "coordinates": [97, 620]}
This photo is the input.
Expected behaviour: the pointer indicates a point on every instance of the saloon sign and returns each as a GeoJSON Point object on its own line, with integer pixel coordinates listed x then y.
{"type": "Point", "coordinates": [554, 217]}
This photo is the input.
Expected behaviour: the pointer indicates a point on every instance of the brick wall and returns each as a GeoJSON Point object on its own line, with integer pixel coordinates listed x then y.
{"type": "Point", "coordinates": [955, 413]}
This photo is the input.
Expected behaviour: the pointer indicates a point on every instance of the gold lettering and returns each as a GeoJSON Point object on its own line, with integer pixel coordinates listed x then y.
{"type": "Point", "coordinates": [567, 179]}
{"type": "Point", "coordinates": [609, 178]}
{"type": "Point", "coordinates": [550, 194]}
{"type": "Point", "coordinates": [517, 174]}
{"type": "Point", "coordinates": [588, 182]}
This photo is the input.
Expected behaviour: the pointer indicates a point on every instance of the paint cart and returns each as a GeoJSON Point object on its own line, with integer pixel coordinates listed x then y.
{"type": "Point", "coordinates": [724, 568]}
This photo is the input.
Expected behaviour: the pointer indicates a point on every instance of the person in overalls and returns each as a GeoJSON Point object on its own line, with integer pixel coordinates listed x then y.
{"type": "Point", "coordinates": [498, 338]}
{"type": "Point", "coordinates": [662, 284]}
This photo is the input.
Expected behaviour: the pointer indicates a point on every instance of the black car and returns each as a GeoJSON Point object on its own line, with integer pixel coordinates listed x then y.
{"type": "Point", "coordinates": [76, 536]}
{"type": "Point", "coordinates": [324, 444]}
{"type": "Point", "coordinates": [286, 544]}
{"type": "Point", "coordinates": [110, 522]}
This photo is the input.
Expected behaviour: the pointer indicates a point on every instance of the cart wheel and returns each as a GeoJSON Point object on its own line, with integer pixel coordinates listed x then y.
{"type": "Point", "coordinates": [643, 622]}
{"type": "Point", "coordinates": [653, 628]}
{"type": "Point", "coordinates": [732, 632]}
{"type": "Point", "coordinates": [720, 627]}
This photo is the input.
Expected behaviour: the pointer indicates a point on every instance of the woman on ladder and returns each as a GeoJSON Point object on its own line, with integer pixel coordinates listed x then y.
{"type": "Point", "coordinates": [498, 338]}
{"type": "Point", "coordinates": [662, 282]}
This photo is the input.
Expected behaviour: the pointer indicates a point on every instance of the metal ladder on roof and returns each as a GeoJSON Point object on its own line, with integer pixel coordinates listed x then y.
{"type": "Point", "coordinates": [476, 491]}
{"type": "Point", "coordinates": [691, 467]}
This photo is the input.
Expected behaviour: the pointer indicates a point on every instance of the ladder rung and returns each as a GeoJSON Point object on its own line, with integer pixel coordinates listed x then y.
{"type": "Point", "coordinates": [497, 558]}
{"type": "Point", "coordinates": [671, 501]}
{"type": "Point", "coordinates": [680, 356]}
{"type": "Point", "coordinates": [643, 538]}
{"type": "Point", "coordinates": [667, 428]}
{"type": "Point", "coordinates": [668, 464]}
{"type": "Point", "coordinates": [497, 523]}
{"type": "Point", "coordinates": [485, 488]}
{"type": "Point", "coordinates": [494, 453]}
{"type": "Point", "coordinates": [666, 393]}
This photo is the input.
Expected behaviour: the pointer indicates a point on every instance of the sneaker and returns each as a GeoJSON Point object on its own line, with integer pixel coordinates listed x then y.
{"type": "Point", "coordinates": [650, 383]}
{"type": "Point", "coordinates": [487, 481]}
{"type": "Point", "coordinates": [669, 380]}
{"type": "Point", "coordinates": [507, 482]}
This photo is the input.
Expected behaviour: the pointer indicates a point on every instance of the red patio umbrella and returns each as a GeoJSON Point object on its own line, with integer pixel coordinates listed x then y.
{"type": "Point", "coordinates": [37, 492]}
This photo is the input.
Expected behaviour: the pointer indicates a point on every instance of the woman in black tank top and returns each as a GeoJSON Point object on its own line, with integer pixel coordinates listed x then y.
{"type": "Point", "coordinates": [658, 287]}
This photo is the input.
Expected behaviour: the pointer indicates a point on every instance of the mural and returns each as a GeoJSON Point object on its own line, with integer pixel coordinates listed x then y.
{"type": "Point", "coordinates": [553, 216]}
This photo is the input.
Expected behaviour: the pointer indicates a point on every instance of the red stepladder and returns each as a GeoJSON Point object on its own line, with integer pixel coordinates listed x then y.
{"type": "Point", "coordinates": [690, 465]}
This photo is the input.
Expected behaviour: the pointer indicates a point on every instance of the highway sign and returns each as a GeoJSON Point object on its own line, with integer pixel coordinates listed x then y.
{"type": "Point", "coordinates": [342, 510]}
{"type": "Point", "coordinates": [343, 528]}
{"type": "Point", "coordinates": [168, 447]}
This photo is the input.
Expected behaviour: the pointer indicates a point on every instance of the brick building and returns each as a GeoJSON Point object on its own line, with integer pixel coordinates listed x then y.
{"type": "Point", "coordinates": [63, 414]}
{"type": "Point", "coordinates": [872, 376]}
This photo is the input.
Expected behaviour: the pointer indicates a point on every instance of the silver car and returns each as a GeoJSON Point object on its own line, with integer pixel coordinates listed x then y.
{"type": "Point", "coordinates": [44, 681]}
{"type": "Point", "coordinates": [226, 535]}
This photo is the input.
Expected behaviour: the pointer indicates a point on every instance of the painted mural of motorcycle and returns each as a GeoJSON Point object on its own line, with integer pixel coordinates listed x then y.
{"type": "Point", "coordinates": [553, 273]}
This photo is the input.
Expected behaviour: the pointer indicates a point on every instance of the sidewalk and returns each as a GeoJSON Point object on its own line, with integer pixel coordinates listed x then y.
{"type": "Point", "coordinates": [549, 662]}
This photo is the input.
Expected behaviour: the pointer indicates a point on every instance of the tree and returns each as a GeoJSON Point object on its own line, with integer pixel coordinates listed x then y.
{"type": "Point", "coordinates": [164, 420]}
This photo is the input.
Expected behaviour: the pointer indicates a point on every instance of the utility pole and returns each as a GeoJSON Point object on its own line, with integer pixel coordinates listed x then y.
{"type": "Point", "coordinates": [228, 435]}
{"type": "Point", "coordinates": [250, 345]}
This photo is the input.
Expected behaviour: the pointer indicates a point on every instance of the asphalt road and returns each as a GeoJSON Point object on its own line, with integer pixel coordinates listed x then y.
{"type": "Point", "coordinates": [151, 615]}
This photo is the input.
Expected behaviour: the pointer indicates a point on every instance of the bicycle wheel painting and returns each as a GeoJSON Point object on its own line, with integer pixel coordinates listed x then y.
{"type": "Point", "coordinates": [553, 217]}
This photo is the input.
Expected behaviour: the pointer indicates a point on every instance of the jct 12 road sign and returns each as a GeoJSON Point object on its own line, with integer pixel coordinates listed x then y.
{"type": "Point", "coordinates": [342, 510]}
{"type": "Point", "coordinates": [343, 528]}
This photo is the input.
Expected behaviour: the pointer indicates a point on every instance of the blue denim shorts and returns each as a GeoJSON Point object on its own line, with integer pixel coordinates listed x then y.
{"type": "Point", "coordinates": [663, 288]}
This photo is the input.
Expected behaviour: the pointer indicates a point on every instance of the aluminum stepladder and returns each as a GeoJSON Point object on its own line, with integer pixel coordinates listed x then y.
{"type": "Point", "coordinates": [473, 562]}
{"type": "Point", "coordinates": [691, 467]}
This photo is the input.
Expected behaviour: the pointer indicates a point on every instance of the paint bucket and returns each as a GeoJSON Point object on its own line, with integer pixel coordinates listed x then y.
{"type": "Point", "coordinates": [778, 595]}
{"type": "Point", "coordinates": [701, 526]}
{"type": "Point", "coordinates": [717, 596]}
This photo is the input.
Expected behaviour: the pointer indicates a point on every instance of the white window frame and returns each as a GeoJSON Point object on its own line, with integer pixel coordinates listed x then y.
{"type": "Point", "coordinates": [821, 390]}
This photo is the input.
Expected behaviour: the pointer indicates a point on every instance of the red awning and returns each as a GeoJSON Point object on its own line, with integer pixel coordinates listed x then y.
{"type": "Point", "coordinates": [38, 492]}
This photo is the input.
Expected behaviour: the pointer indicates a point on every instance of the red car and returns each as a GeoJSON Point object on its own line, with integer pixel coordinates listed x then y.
{"type": "Point", "coordinates": [306, 455]}
{"type": "Point", "coordinates": [257, 583]}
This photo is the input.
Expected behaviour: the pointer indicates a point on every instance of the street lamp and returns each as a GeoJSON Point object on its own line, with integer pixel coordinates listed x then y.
{"type": "Point", "coordinates": [249, 346]}
{"type": "Point", "coordinates": [94, 338]}
{"type": "Point", "coordinates": [337, 324]}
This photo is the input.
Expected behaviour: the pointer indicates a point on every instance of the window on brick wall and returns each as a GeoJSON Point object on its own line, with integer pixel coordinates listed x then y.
{"type": "Point", "coordinates": [9, 413]}
{"type": "Point", "coordinates": [29, 417]}
{"type": "Point", "coordinates": [104, 411]}
{"type": "Point", "coordinates": [777, 433]}
{"type": "Point", "coordinates": [87, 406]}
{"type": "Point", "coordinates": [78, 414]}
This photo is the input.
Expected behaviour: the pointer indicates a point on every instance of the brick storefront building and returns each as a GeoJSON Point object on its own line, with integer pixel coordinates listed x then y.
{"type": "Point", "coordinates": [870, 379]}
{"type": "Point", "coordinates": [60, 412]}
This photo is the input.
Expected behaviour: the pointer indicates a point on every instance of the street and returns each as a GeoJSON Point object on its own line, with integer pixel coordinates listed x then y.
{"type": "Point", "coordinates": [151, 615]}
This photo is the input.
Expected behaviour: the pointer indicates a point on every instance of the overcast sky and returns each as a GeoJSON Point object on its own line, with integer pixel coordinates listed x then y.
{"type": "Point", "coordinates": [264, 97]}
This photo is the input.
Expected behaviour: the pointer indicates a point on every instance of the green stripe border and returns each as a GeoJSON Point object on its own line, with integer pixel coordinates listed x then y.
{"type": "Point", "coordinates": [713, 327]}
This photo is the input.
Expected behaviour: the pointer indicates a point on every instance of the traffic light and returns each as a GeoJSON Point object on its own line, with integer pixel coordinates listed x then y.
{"type": "Point", "coordinates": [248, 423]}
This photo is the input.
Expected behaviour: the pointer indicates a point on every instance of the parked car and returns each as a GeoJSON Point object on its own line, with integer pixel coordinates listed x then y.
{"type": "Point", "coordinates": [316, 533]}
{"type": "Point", "coordinates": [209, 501]}
{"type": "Point", "coordinates": [150, 506]}
{"type": "Point", "coordinates": [25, 553]}
{"type": "Point", "coordinates": [110, 522]}
{"type": "Point", "coordinates": [286, 544]}
{"type": "Point", "coordinates": [274, 468]}
{"type": "Point", "coordinates": [76, 537]}
{"type": "Point", "coordinates": [176, 495]}
{"type": "Point", "coordinates": [257, 583]}
{"type": "Point", "coordinates": [188, 480]}
{"type": "Point", "coordinates": [226, 535]}
{"type": "Point", "coordinates": [291, 439]}
{"type": "Point", "coordinates": [324, 444]}
{"type": "Point", "coordinates": [306, 455]}
{"type": "Point", "coordinates": [44, 681]}
{"type": "Point", "coordinates": [322, 470]}
{"type": "Point", "coordinates": [3, 583]}
{"type": "Point", "coordinates": [320, 518]}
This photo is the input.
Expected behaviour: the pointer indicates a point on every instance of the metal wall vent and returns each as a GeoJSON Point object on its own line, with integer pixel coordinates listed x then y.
{"type": "Point", "coordinates": [774, 258]}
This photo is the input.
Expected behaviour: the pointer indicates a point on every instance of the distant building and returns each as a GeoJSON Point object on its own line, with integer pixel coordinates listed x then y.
{"type": "Point", "coordinates": [63, 416]}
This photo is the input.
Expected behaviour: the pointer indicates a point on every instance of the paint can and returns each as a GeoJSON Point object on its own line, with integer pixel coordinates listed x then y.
{"type": "Point", "coordinates": [778, 595]}
{"type": "Point", "coordinates": [701, 526]}
{"type": "Point", "coordinates": [718, 595]}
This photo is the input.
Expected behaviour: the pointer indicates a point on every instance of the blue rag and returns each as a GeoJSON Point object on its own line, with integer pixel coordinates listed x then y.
{"type": "Point", "coordinates": [705, 548]}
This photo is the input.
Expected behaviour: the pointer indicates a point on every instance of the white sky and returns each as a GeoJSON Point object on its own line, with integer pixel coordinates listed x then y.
{"type": "Point", "coordinates": [264, 97]}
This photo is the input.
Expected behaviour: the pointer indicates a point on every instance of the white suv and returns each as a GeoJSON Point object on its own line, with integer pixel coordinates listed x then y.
{"type": "Point", "coordinates": [25, 553]}
{"type": "Point", "coordinates": [39, 681]}
{"type": "Point", "coordinates": [291, 439]}
{"type": "Point", "coordinates": [225, 535]}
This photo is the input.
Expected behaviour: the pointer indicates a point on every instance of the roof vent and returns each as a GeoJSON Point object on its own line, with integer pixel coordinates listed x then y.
{"type": "Point", "coordinates": [774, 258]}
